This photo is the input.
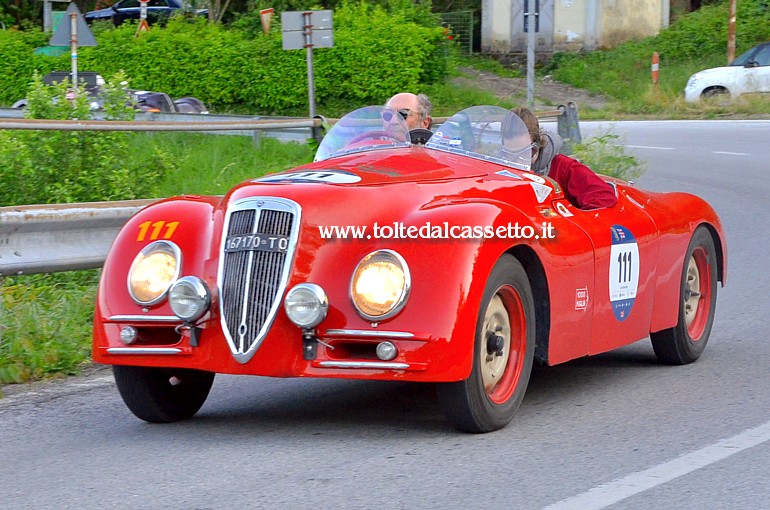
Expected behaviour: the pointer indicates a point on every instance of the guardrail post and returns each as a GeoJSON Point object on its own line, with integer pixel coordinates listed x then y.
{"type": "Point", "coordinates": [319, 131]}
{"type": "Point", "coordinates": [568, 126]}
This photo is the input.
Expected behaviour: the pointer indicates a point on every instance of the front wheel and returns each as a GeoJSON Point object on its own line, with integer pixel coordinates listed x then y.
{"type": "Point", "coordinates": [162, 395]}
{"type": "Point", "coordinates": [685, 342]}
{"type": "Point", "coordinates": [504, 349]}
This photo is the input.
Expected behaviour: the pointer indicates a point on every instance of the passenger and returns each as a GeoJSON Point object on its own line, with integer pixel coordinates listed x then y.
{"type": "Point", "coordinates": [582, 187]}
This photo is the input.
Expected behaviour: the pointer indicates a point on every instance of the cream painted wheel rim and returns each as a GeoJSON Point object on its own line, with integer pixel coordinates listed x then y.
{"type": "Point", "coordinates": [692, 292]}
{"type": "Point", "coordinates": [496, 322]}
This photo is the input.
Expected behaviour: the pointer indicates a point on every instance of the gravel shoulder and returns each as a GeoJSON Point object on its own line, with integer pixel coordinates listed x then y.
{"type": "Point", "coordinates": [548, 92]}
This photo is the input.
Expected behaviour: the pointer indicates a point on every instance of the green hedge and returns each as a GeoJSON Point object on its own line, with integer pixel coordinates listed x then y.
{"type": "Point", "coordinates": [377, 53]}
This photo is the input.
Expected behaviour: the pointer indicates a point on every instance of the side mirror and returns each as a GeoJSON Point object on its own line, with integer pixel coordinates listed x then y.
{"type": "Point", "coordinates": [752, 63]}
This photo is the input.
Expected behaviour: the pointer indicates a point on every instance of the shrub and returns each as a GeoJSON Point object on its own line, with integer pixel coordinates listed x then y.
{"type": "Point", "coordinates": [378, 50]}
{"type": "Point", "coordinates": [605, 155]}
{"type": "Point", "coordinates": [75, 166]}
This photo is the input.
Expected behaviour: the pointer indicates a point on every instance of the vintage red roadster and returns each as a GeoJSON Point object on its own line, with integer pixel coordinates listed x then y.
{"type": "Point", "coordinates": [446, 262]}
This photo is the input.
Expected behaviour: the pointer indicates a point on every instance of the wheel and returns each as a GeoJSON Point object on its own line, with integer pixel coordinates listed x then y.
{"type": "Point", "coordinates": [714, 92]}
{"type": "Point", "coordinates": [162, 395]}
{"type": "Point", "coordinates": [375, 135]}
{"type": "Point", "coordinates": [684, 343]}
{"type": "Point", "coordinates": [189, 105]}
{"type": "Point", "coordinates": [504, 349]}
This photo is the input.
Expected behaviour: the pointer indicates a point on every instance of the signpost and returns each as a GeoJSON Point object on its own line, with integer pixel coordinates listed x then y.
{"type": "Point", "coordinates": [48, 21]}
{"type": "Point", "coordinates": [75, 33]}
{"type": "Point", "coordinates": [531, 25]}
{"type": "Point", "coordinates": [265, 17]}
{"type": "Point", "coordinates": [143, 26]}
{"type": "Point", "coordinates": [307, 29]}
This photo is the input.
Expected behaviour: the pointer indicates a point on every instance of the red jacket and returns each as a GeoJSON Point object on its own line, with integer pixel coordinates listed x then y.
{"type": "Point", "coordinates": [581, 185]}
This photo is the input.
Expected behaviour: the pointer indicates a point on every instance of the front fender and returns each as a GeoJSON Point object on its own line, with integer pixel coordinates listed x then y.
{"type": "Point", "coordinates": [448, 278]}
{"type": "Point", "coordinates": [189, 222]}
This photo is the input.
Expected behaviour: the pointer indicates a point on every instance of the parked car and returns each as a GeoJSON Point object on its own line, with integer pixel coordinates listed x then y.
{"type": "Point", "coordinates": [448, 262]}
{"type": "Point", "coordinates": [157, 11]}
{"type": "Point", "coordinates": [747, 74]}
{"type": "Point", "coordinates": [143, 100]}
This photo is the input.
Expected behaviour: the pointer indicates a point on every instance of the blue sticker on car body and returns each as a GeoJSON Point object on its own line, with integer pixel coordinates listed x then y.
{"type": "Point", "coordinates": [624, 271]}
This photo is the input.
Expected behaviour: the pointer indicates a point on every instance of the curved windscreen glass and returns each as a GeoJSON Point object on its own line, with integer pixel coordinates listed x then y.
{"type": "Point", "coordinates": [490, 133]}
{"type": "Point", "coordinates": [373, 127]}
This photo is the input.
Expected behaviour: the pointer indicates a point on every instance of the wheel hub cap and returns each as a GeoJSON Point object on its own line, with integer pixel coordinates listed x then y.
{"type": "Point", "coordinates": [691, 291]}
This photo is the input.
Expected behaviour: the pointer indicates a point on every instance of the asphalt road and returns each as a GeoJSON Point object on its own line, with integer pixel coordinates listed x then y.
{"type": "Point", "coordinates": [616, 431]}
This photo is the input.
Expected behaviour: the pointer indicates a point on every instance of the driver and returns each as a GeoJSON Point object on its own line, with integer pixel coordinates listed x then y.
{"type": "Point", "coordinates": [415, 109]}
{"type": "Point", "coordinates": [582, 187]}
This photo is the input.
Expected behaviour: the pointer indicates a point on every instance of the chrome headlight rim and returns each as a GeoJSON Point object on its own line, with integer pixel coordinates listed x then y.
{"type": "Point", "coordinates": [200, 291]}
{"type": "Point", "coordinates": [405, 291]}
{"type": "Point", "coordinates": [147, 250]}
{"type": "Point", "coordinates": [316, 292]}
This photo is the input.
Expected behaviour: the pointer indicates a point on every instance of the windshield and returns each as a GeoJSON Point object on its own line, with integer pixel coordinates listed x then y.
{"type": "Point", "coordinates": [490, 133]}
{"type": "Point", "coordinates": [373, 127]}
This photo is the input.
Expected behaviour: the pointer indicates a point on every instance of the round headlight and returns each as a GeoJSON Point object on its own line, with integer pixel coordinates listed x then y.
{"type": "Point", "coordinates": [189, 298]}
{"type": "Point", "coordinates": [306, 305]}
{"type": "Point", "coordinates": [153, 271]}
{"type": "Point", "coordinates": [380, 285]}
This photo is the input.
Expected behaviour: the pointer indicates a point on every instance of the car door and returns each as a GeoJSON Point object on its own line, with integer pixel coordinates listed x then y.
{"type": "Point", "coordinates": [624, 240]}
{"type": "Point", "coordinates": [758, 76]}
{"type": "Point", "coordinates": [158, 10]}
{"type": "Point", "coordinates": [126, 10]}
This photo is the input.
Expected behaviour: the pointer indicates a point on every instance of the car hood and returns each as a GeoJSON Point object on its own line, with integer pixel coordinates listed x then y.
{"type": "Point", "coordinates": [396, 184]}
{"type": "Point", "coordinates": [717, 74]}
{"type": "Point", "coordinates": [380, 167]}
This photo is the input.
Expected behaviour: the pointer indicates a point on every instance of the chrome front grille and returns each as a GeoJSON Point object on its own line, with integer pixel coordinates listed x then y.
{"type": "Point", "coordinates": [257, 249]}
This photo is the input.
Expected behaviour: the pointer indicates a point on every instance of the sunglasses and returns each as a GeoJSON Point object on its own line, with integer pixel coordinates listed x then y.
{"type": "Point", "coordinates": [520, 154]}
{"type": "Point", "coordinates": [387, 115]}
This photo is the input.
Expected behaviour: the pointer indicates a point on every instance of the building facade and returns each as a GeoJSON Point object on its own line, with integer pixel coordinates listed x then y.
{"type": "Point", "coordinates": [569, 25]}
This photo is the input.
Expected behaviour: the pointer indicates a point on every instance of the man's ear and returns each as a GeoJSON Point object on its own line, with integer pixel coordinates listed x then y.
{"type": "Point", "coordinates": [427, 122]}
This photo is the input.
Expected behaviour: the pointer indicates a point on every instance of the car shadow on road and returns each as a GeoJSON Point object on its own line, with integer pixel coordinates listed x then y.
{"type": "Point", "coordinates": [335, 407]}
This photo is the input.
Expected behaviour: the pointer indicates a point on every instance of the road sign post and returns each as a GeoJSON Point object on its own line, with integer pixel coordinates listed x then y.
{"type": "Point", "coordinates": [307, 29]}
{"type": "Point", "coordinates": [73, 32]}
{"type": "Point", "coordinates": [531, 25]}
{"type": "Point", "coordinates": [143, 25]}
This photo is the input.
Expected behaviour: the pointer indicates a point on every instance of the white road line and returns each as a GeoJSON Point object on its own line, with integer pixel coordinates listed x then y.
{"type": "Point", "coordinates": [651, 147]}
{"type": "Point", "coordinates": [732, 153]}
{"type": "Point", "coordinates": [608, 494]}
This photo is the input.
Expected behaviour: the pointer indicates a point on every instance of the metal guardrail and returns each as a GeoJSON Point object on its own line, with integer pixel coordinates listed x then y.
{"type": "Point", "coordinates": [68, 237]}
{"type": "Point", "coordinates": [64, 237]}
{"type": "Point", "coordinates": [287, 129]}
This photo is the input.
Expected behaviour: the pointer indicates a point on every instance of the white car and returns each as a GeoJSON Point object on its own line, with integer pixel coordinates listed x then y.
{"type": "Point", "coordinates": [747, 74]}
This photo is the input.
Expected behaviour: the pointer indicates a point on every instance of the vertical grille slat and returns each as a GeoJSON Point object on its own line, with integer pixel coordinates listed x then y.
{"type": "Point", "coordinates": [252, 281]}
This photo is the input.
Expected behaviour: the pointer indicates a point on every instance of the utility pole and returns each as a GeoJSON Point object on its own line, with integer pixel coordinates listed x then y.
{"type": "Point", "coordinates": [530, 16]}
{"type": "Point", "coordinates": [731, 32]}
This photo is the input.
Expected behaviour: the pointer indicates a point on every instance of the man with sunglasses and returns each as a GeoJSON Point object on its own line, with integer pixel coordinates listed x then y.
{"type": "Point", "coordinates": [582, 187]}
{"type": "Point", "coordinates": [414, 108]}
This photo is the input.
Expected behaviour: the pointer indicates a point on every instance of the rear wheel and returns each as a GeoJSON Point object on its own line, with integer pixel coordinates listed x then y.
{"type": "Point", "coordinates": [503, 353]}
{"type": "Point", "coordinates": [685, 342]}
{"type": "Point", "coordinates": [162, 395]}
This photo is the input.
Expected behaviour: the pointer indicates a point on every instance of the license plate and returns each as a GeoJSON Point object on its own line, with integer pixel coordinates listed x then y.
{"type": "Point", "coordinates": [256, 242]}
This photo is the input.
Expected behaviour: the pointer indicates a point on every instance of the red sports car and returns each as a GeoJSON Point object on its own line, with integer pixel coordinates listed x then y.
{"type": "Point", "coordinates": [447, 262]}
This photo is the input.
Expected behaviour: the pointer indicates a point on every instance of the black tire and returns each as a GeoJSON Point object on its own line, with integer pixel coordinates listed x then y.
{"type": "Point", "coordinates": [685, 342]}
{"type": "Point", "coordinates": [162, 395]}
{"type": "Point", "coordinates": [189, 105]}
{"type": "Point", "coordinates": [714, 93]}
{"type": "Point", "coordinates": [507, 311]}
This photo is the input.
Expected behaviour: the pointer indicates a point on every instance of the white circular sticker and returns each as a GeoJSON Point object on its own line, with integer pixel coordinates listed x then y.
{"type": "Point", "coordinates": [313, 177]}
